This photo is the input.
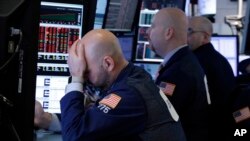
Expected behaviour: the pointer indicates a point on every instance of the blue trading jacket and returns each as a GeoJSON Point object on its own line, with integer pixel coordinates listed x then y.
{"type": "Point", "coordinates": [131, 110]}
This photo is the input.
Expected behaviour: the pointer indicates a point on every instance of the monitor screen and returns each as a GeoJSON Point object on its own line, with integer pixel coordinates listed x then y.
{"type": "Point", "coordinates": [158, 4]}
{"type": "Point", "coordinates": [207, 7]}
{"type": "Point", "coordinates": [228, 46]}
{"type": "Point", "coordinates": [151, 68]}
{"type": "Point", "coordinates": [121, 15]}
{"type": "Point", "coordinates": [60, 25]}
{"type": "Point", "coordinates": [101, 8]}
{"type": "Point", "coordinates": [145, 54]}
{"type": "Point", "coordinates": [127, 43]}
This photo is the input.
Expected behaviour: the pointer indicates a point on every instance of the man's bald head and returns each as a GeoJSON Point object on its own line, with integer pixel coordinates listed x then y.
{"type": "Point", "coordinates": [199, 23]}
{"type": "Point", "coordinates": [168, 30]}
{"type": "Point", "coordinates": [103, 56]}
{"type": "Point", "coordinates": [176, 18]}
{"type": "Point", "coordinates": [199, 32]}
{"type": "Point", "coordinates": [99, 43]}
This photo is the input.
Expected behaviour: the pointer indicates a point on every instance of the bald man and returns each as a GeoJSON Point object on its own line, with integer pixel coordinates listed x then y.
{"type": "Point", "coordinates": [181, 76]}
{"type": "Point", "coordinates": [130, 107]}
{"type": "Point", "coordinates": [220, 76]}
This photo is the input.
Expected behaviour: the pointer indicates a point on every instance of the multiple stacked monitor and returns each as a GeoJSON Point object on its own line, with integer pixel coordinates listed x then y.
{"type": "Point", "coordinates": [60, 25]}
{"type": "Point", "coordinates": [44, 74]}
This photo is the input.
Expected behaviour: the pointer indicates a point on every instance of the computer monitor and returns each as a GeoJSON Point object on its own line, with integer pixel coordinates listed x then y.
{"type": "Point", "coordinates": [158, 4]}
{"type": "Point", "coordinates": [206, 7]}
{"type": "Point", "coordinates": [101, 8]}
{"type": "Point", "coordinates": [60, 25]}
{"type": "Point", "coordinates": [145, 54]}
{"type": "Point", "coordinates": [18, 37]}
{"type": "Point", "coordinates": [127, 44]}
{"type": "Point", "coordinates": [228, 46]}
{"type": "Point", "coordinates": [151, 68]}
{"type": "Point", "coordinates": [121, 15]}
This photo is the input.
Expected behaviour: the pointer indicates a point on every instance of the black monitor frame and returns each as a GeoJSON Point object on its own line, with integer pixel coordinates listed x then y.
{"type": "Point", "coordinates": [17, 79]}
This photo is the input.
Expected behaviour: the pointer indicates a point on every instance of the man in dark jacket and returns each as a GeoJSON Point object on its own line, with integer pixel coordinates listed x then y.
{"type": "Point", "coordinates": [181, 77]}
{"type": "Point", "coordinates": [220, 76]}
{"type": "Point", "coordinates": [130, 107]}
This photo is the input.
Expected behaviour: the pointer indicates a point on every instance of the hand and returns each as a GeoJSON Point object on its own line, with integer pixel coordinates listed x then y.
{"type": "Point", "coordinates": [38, 113]}
{"type": "Point", "coordinates": [76, 60]}
{"type": "Point", "coordinates": [41, 119]}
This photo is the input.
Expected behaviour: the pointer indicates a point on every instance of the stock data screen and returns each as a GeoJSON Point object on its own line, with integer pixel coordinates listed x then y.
{"type": "Point", "coordinates": [60, 25]}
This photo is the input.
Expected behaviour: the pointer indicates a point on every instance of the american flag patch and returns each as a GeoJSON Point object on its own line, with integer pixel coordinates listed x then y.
{"type": "Point", "coordinates": [241, 114]}
{"type": "Point", "coordinates": [167, 88]}
{"type": "Point", "coordinates": [111, 100]}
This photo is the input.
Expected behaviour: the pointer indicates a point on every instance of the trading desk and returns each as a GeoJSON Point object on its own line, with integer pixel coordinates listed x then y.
{"type": "Point", "coordinates": [42, 135]}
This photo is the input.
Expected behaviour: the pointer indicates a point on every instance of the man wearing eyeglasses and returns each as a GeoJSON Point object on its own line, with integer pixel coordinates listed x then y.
{"type": "Point", "coordinates": [220, 77]}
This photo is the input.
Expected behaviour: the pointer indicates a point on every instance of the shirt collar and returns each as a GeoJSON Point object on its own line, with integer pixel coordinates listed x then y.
{"type": "Point", "coordinates": [171, 53]}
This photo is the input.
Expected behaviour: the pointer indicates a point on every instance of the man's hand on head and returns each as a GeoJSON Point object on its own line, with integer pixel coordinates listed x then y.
{"type": "Point", "coordinates": [76, 60]}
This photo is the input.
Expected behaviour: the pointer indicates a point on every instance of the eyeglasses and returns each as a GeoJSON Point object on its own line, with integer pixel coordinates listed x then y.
{"type": "Point", "coordinates": [191, 31]}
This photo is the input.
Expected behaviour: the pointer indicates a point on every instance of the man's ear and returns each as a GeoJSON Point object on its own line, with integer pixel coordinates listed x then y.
{"type": "Point", "coordinates": [206, 38]}
{"type": "Point", "coordinates": [108, 63]}
{"type": "Point", "coordinates": [169, 32]}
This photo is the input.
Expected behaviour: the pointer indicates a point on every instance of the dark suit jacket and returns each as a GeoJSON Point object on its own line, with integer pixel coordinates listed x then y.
{"type": "Point", "coordinates": [221, 83]}
{"type": "Point", "coordinates": [221, 80]}
{"type": "Point", "coordinates": [189, 95]}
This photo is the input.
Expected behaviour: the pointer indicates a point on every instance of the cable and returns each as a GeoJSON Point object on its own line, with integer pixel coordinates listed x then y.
{"type": "Point", "coordinates": [14, 131]}
{"type": "Point", "coordinates": [9, 122]}
{"type": "Point", "coordinates": [14, 32]}
{"type": "Point", "coordinates": [4, 100]}
{"type": "Point", "coordinates": [230, 26]}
